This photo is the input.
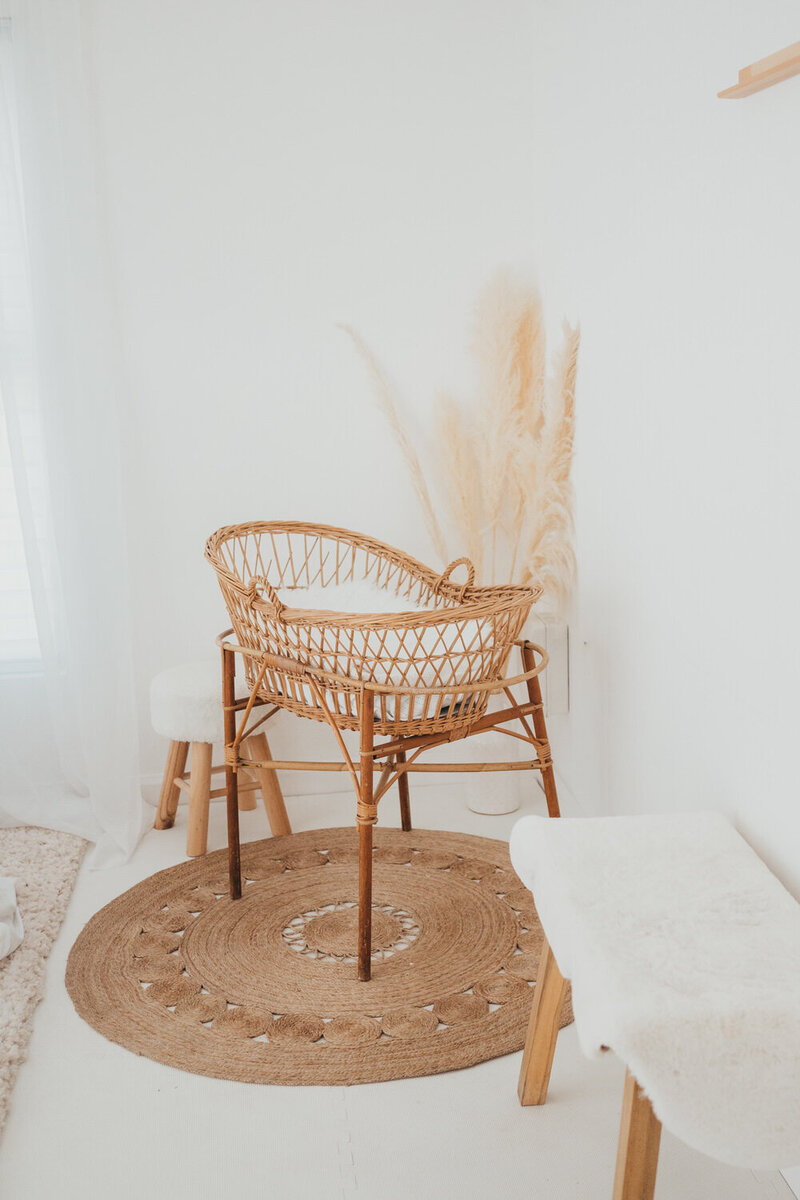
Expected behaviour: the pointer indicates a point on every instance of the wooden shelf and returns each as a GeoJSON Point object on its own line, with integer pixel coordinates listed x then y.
{"type": "Point", "coordinates": [762, 74]}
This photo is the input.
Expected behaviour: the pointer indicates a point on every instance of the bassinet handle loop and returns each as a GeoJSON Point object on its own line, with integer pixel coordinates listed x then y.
{"type": "Point", "coordinates": [448, 571]}
{"type": "Point", "coordinates": [259, 588]}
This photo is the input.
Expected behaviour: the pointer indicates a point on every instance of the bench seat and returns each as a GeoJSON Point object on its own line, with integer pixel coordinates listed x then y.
{"type": "Point", "coordinates": [683, 951]}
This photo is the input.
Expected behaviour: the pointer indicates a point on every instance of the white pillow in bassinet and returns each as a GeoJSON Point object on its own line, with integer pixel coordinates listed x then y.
{"type": "Point", "coordinates": [365, 596]}
{"type": "Point", "coordinates": [353, 596]}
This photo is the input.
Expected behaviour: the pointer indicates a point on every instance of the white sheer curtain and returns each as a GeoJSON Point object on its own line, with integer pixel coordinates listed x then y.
{"type": "Point", "coordinates": [69, 753]}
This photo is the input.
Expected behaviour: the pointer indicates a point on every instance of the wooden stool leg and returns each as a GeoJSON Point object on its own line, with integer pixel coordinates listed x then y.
{"type": "Point", "coordinates": [367, 813]}
{"type": "Point", "coordinates": [405, 803]}
{"type": "Point", "coordinates": [540, 1043]}
{"type": "Point", "coordinates": [199, 799]}
{"type": "Point", "coordinates": [540, 728]}
{"type": "Point", "coordinates": [271, 794]}
{"type": "Point", "coordinates": [639, 1140]}
{"type": "Point", "coordinates": [247, 799]}
{"type": "Point", "coordinates": [170, 792]}
{"type": "Point", "coordinates": [231, 780]}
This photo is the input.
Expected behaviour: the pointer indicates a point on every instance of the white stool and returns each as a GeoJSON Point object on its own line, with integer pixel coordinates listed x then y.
{"type": "Point", "coordinates": [186, 707]}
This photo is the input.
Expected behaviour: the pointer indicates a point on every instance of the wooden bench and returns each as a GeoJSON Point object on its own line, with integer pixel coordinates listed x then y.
{"type": "Point", "coordinates": [683, 951]}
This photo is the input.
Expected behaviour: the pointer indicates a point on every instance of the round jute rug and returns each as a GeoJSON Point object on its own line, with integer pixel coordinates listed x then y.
{"type": "Point", "coordinates": [264, 989]}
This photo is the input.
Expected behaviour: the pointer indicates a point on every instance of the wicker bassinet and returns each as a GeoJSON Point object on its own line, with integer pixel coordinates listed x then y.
{"type": "Point", "coordinates": [423, 666]}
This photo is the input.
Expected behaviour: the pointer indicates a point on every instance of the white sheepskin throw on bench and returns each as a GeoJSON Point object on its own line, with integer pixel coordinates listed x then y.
{"type": "Point", "coordinates": [684, 954]}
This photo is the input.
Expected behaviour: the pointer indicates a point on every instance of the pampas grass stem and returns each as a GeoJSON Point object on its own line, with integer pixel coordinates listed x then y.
{"type": "Point", "coordinates": [462, 478]}
{"type": "Point", "coordinates": [385, 396]}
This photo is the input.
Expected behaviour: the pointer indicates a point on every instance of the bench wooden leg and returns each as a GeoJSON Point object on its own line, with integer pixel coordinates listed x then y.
{"type": "Point", "coordinates": [639, 1139]}
{"type": "Point", "coordinates": [271, 794]}
{"type": "Point", "coordinates": [540, 1043]}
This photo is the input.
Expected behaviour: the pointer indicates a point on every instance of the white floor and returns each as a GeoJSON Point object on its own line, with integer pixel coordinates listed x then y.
{"type": "Point", "coordinates": [90, 1120]}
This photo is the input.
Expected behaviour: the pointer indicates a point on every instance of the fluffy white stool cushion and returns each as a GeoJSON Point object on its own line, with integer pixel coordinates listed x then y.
{"type": "Point", "coordinates": [684, 955]}
{"type": "Point", "coordinates": [186, 702]}
{"type": "Point", "coordinates": [11, 931]}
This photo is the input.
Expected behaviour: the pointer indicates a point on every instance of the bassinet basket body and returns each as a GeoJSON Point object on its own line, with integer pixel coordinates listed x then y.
{"type": "Point", "coordinates": [423, 666]}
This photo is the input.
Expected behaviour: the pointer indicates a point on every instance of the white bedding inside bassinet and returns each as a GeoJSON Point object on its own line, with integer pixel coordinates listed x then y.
{"type": "Point", "coordinates": [434, 642]}
{"type": "Point", "coordinates": [352, 596]}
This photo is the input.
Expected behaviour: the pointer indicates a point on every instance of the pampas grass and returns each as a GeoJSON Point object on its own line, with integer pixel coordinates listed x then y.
{"type": "Point", "coordinates": [549, 555]}
{"type": "Point", "coordinates": [461, 468]}
{"type": "Point", "coordinates": [504, 460]}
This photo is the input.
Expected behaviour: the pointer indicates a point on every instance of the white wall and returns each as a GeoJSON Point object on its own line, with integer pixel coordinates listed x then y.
{"type": "Point", "coordinates": [272, 169]}
{"type": "Point", "coordinates": [669, 224]}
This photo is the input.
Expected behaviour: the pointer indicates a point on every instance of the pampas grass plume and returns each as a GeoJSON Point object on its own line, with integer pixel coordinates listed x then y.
{"type": "Point", "coordinates": [506, 465]}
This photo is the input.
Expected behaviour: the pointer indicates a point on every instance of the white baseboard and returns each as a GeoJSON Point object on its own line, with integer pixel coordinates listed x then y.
{"type": "Point", "coordinates": [792, 1177]}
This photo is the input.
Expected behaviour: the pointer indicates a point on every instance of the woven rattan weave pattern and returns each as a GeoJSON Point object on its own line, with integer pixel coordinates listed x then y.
{"type": "Point", "coordinates": [263, 990]}
{"type": "Point", "coordinates": [464, 637]}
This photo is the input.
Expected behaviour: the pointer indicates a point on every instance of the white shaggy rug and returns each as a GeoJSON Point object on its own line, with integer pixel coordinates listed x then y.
{"type": "Point", "coordinates": [45, 865]}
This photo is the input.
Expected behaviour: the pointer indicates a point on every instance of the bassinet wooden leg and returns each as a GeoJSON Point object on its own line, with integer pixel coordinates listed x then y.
{"type": "Point", "coordinates": [540, 727]}
{"type": "Point", "coordinates": [170, 792]}
{"type": "Point", "coordinates": [364, 901]}
{"type": "Point", "coordinates": [231, 781]}
{"type": "Point", "coordinates": [639, 1141]}
{"type": "Point", "coordinates": [367, 814]}
{"type": "Point", "coordinates": [405, 803]}
{"type": "Point", "coordinates": [540, 1043]}
{"type": "Point", "coordinates": [271, 792]}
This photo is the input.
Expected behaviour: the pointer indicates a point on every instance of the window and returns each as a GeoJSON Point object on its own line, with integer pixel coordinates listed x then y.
{"type": "Point", "coordinates": [19, 643]}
